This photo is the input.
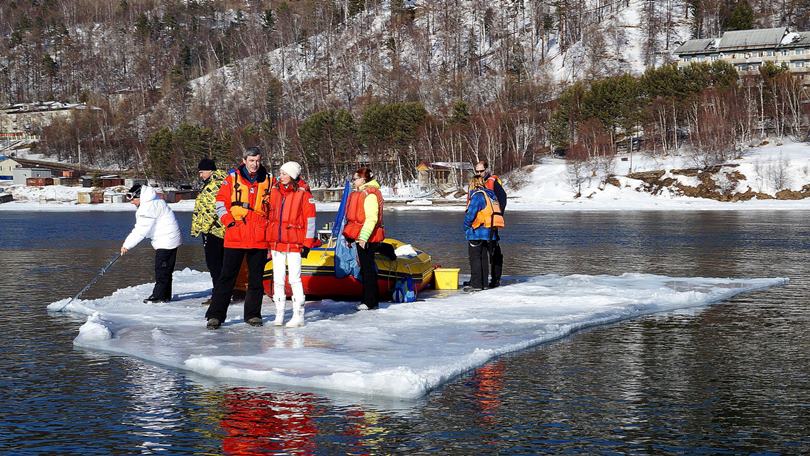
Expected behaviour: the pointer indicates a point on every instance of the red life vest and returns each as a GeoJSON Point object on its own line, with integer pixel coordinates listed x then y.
{"type": "Point", "coordinates": [291, 218]}
{"type": "Point", "coordinates": [490, 182]}
{"type": "Point", "coordinates": [246, 206]}
{"type": "Point", "coordinates": [356, 215]}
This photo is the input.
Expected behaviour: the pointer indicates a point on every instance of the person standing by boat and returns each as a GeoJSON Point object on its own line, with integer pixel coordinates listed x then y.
{"type": "Point", "coordinates": [494, 184]}
{"type": "Point", "coordinates": [242, 209]}
{"type": "Point", "coordinates": [480, 228]}
{"type": "Point", "coordinates": [364, 227]}
{"type": "Point", "coordinates": [155, 220]}
{"type": "Point", "coordinates": [205, 222]}
{"type": "Point", "coordinates": [290, 234]}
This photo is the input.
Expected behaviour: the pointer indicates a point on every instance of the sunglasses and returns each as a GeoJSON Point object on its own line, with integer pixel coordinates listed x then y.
{"type": "Point", "coordinates": [479, 171]}
{"type": "Point", "coordinates": [131, 196]}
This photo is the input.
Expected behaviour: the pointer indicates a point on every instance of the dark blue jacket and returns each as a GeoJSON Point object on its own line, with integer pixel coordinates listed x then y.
{"type": "Point", "coordinates": [477, 204]}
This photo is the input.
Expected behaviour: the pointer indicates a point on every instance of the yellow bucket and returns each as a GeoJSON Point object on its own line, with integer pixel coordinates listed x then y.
{"type": "Point", "coordinates": [446, 278]}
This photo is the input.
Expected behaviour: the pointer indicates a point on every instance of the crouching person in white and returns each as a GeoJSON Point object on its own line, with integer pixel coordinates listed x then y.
{"type": "Point", "coordinates": [155, 220]}
{"type": "Point", "coordinates": [290, 233]}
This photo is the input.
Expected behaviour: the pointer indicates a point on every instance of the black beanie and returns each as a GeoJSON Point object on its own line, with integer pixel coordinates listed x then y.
{"type": "Point", "coordinates": [134, 192]}
{"type": "Point", "coordinates": [206, 164]}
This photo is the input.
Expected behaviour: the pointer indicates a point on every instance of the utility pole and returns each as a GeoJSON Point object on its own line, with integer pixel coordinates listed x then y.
{"type": "Point", "coordinates": [79, 147]}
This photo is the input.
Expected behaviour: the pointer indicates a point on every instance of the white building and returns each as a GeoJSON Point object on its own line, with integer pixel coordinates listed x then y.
{"type": "Point", "coordinates": [7, 167]}
{"type": "Point", "coordinates": [747, 50]}
{"type": "Point", "coordinates": [29, 117]}
{"type": "Point", "coordinates": [21, 174]}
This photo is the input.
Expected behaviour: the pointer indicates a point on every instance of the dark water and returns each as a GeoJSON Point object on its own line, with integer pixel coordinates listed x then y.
{"type": "Point", "coordinates": [733, 378]}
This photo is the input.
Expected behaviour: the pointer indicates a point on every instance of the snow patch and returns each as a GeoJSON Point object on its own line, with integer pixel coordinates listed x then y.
{"type": "Point", "coordinates": [93, 330]}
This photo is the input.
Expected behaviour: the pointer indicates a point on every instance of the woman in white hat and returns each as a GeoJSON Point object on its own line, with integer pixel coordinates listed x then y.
{"type": "Point", "coordinates": [290, 233]}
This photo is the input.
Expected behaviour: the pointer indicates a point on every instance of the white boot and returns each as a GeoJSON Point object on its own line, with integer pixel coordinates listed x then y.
{"type": "Point", "coordinates": [280, 304]}
{"type": "Point", "coordinates": [298, 314]}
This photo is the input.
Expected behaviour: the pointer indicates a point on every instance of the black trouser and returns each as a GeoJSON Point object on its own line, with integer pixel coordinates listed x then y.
{"type": "Point", "coordinates": [231, 263]}
{"type": "Point", "coordinates": [164, 267]}
{"type": "Point", "coordinates": [214, 251]}
{"type": "Point", "coordinates": [496, 262]}
{"type": "Point", "coordinates": [368, 270]}
{"type": "Point", "coordinates": [479, 263]}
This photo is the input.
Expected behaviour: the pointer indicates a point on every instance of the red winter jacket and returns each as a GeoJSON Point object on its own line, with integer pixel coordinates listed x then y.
{"type": "Point", "coordinates": [242, 208]}
{"type": "Point", "coordinates": [291, 218]}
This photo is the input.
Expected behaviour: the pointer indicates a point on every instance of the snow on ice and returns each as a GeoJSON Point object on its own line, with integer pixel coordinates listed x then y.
{"type": "Point", "coordinates": [399, 351]}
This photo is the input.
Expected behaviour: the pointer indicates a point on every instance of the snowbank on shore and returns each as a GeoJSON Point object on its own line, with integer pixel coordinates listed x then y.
{"type": "Point", "coordinates": [548, 187]}
{"type": "Point", "coordinates": [550, 184]}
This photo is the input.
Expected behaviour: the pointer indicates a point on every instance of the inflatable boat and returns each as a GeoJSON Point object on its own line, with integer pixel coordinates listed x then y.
{"type": "Point", "coordinates": [396, 262]}
{"type": "Point", "coordinates": [320, 279]}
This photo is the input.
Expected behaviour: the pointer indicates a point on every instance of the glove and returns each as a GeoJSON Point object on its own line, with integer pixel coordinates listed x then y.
{"type": "Point", "coordinates": [304, 252]}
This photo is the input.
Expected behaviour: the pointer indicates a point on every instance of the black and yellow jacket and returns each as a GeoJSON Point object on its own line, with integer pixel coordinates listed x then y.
{"type": "Point", "coordinates": [205, 219]}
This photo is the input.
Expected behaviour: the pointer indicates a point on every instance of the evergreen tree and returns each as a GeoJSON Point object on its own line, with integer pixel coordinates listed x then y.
{"type": "Point", "coordinates": [460, 114]}
{"type": "Point", "coordinates": [159, 152]}
{"type": "Point", "coordinates": [391, 125]}
{"type": "Point", "coordinates": [327, 138]}
{"type": "Point", "coordinates": [740, 18]}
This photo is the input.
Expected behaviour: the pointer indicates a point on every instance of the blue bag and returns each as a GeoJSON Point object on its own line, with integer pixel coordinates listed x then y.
{"type": "Point", "coordinates": [404, 290]}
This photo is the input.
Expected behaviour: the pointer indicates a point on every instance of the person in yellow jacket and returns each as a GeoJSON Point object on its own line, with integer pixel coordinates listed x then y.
{"type": "Point", "coordinates": [205, 222]}
{"type": "Point", "coordinates": [364, 225]}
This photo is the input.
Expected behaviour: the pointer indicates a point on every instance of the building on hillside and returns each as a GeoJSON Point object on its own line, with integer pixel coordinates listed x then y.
{"type": "Point", "coordinates": [8, 139]}
{"type": "Point", "coordinates": [7, 167]}
{"type": "Point", "coordinates": [22, 119]}
{"type": "Point", "coordinates": [747, 50]}
{"type": "Point", "coordinates": [21, 175]}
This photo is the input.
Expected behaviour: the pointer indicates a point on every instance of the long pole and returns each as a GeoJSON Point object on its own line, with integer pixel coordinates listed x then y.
{"type": "Point", "coordinates": [95, 279]}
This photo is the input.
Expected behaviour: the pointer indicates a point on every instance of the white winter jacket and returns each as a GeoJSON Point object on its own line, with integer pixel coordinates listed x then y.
{"type": "Point", "coordinates": [154, 220]}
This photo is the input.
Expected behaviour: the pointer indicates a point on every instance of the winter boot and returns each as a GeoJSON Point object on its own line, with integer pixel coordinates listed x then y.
{"type": "Point", "coordinates": [213, 323]}
{"type": "Point", "coordinates": [280, 304]}
{"type": "Point", "coordinates": [298, 314]}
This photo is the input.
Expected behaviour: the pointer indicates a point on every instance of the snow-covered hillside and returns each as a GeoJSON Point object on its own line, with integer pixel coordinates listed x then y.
{"type": "Point", "coordinates": [381, 52]}
{"type": "Point", "coordinates": [671, 182]}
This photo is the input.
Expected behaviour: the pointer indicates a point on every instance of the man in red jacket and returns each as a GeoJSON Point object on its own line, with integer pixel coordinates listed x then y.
{"type": "Point", "coordinates": [242, 208]}
{"type": "Point", "coordinates": [290, 234]}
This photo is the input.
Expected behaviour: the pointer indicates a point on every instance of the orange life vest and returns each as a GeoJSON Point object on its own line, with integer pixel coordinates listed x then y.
{"type": "Point", "coordinates": [490, 216]}
{"type": "Point", "coordinates": [356, 215]}
{"type": "Point", "coordinates": [245, 203]}
{"type": "Point", "coordinates": [289, 217]}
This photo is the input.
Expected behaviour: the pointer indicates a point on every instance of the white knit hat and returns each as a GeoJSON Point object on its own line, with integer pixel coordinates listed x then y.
{"type": "Point", "coordinates": [292, 169]}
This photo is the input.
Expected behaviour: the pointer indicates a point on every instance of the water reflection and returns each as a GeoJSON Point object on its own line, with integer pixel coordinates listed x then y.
{"type": "Point", "coordinates": [488, 381]}
{"type": "Point", "coordinates": [257, 422]}
{"type": "Point", "coordinates": [153, 412]}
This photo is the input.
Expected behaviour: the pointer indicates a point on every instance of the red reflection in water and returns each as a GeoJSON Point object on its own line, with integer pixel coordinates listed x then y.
{"type": "Point", "coordinates": [489, 382]}
{"type": "Point", "coordinates": [258, 423]}
{"type": "Point", "coordinates": [366, 427]}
